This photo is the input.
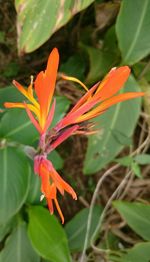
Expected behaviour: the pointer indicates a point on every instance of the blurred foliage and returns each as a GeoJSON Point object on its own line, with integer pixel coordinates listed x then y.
{"type": "Point", "coordinates": [92, 37]}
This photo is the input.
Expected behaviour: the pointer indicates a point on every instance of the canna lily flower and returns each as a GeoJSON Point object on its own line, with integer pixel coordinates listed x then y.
{"type": "Point", "coordinates": [51, 182]}
{"type": "Point", "coordinates": [99, 98]}
{"type": "Point", "coordinates": [44, 86]}
{"type": "Point", "coordinates": [41, 111]}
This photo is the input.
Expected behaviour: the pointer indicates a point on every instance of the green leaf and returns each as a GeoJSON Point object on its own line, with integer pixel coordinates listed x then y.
{"type": "Point", "coordinates": [14, 182]}
{"type": "Point", "coordinates": [133, 30]}
{"type": "Point", "coordinates": [140, 252]}
{"type": "Point", "coordinates": [136, 169]}
{"type": "Point", "coordinates": [125, 161]}
{"type": "Point", "coordinates": [115, 129]}
{"type": "Point", "coordinates": [137, 216]}
{"type": "Point", "coordinates": [18, 248]}
{"type": "Point", "coordinates": [35, 183]}
{"type": "Point", "coordinates": [142, 159]}
{"type": "Point", "coordinates": [6, 228]}
{"type": "Point", "coordinates": [101, 60]}
{"type": "Point", "coordinates": [10, 94]}
{"type": "Point", "coordinates": [39, 19]}
{"type": "Point", "coordinates": [34, 190]}
{"type": "Point", "coordinates": [47, 236]}
{"type": "Point", "coordinates": [74, 66]}
{"type": "Point", "coordinates": [56, 159]}
{"type": "Point", "coordinates": [16, 125]}
{"type": "Point", "coordinates": [76, 227]}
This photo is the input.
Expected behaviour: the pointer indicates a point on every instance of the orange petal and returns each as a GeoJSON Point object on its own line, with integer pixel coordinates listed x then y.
{"type": "Point", "coordinates": [50, 116]}
{"type": "Point", "coordinates": [68, 132]}
{"type": "Point", "coordinates": [26, 93]}
{"type": "Point", "coordinates": [45, 83]}
{"type": "Point", "coordinates": [50, 205]}
{"type": "Point", "coordinates": [58, 180]}
{"type": "Point", "coordinates": [113, 81]}
{"type": "Point", "coordinates": [84, 99]}
{"type": "Point", "coordinates": [22, 105]}
{"type": "Point", "coordinates": [72, 118]}
{"type": "Point", "coordinates": [33, 120]}
{"type": "Point", "coordinates": [45, 185]}
{"type": "Point", "coordinates": [59, 210]}
{"type": "Point", "coordinates": [108, 103]}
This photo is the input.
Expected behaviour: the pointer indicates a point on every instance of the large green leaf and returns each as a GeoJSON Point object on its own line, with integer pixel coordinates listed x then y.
{"type": "Point", "coordinates": [115, 128]}
{"type": "Point", "coordinates": [14, 182]}
{"type": "Point", "coordinates": [18, 248]}
{"type": "Point", "coordinates": [139, 253]}
{"type": "Point", "coordinates": [7, 227]}
{"type": "Point", "coordinates": [47, 235]}
{"type": "Point", "coordinates": [133, 30]}
{"type": "Point", "coordinates": [39, 19]}
{"type": "Point", "coordinates": [76, 228]}
{"type": "Point", "coordinates": [16, 125]}
{"type": "Point", "coordinates": [137, 216]}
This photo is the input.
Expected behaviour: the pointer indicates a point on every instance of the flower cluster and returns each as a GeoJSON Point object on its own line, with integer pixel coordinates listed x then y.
{"type": "Point", "coordinates": [41, 112]}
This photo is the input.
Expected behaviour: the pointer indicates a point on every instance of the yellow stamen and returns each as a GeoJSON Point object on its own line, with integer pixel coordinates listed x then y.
{"type": "Point", "coordinates": [70, 78]}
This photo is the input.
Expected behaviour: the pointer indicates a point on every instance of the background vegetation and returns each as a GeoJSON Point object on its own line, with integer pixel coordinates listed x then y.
{"type": "Point", "coordinates": [108, 170]}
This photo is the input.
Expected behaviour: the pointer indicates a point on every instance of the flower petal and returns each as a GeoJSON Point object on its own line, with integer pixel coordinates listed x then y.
{"type": "Point", "coordinates": [113, 81]}
{"type": "Point", "coordinates": [45, 83]}
{"type": "Point", "coordinates": [108, 103]}
{"type": "Point", "coordinates": [63, 137]}
{"type": "Point", "coordinates": [50, 116]}
{"type": "Point", "coordinates": [33, 120]}
{"type": "Point", "coordinates": [26, 93]}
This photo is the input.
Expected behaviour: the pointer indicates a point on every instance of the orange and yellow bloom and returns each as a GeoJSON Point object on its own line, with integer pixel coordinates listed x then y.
{"type": "Point", "coordinates": [41, 111]}
{"type": "Point", "coordinates": [44, 86]}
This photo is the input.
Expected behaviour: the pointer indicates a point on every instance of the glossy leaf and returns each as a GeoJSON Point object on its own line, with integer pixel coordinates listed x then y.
{"type": "Point", "coordinates": [140, 252]}
{"type": "Point", "coordinates": [18, 248]}
{"type": "Point", "coordinates": [39, 19]}
{"type": "Point", "coordinates": [76, 227]}
{"type": "Point", "coordinates": [133, 30]}
{"type": "Point", "coordinates": [47, 236]}
{"type": "Point", "coordinates": [137, 216]}
{"type": "Point", "coordinates": [14, 182]}
{"type": "Point", "coordinates": [115, 129]}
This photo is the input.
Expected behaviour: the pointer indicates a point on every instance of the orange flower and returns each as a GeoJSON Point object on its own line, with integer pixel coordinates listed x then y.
{"type": "Point", "coordinates": [41, 111]}
{"type": "Point", "coordinates": [101, 96]}
{"type": "Point", "coordinates": [50, 183]}
{"type": "Point", "coordinates": [44, 88]}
